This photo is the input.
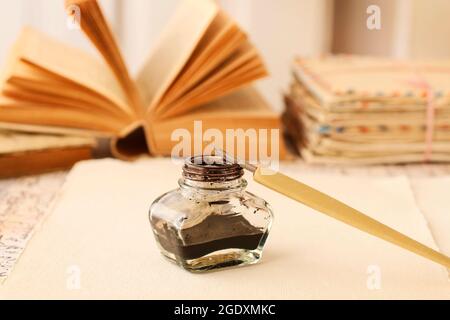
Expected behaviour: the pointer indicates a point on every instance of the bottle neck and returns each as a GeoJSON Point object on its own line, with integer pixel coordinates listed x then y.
{"type": "Point", "coordinates": [208, 190]}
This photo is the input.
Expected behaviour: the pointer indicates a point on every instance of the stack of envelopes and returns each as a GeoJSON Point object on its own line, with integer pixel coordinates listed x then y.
{"type": "Point", "coordinates": [366, 110]}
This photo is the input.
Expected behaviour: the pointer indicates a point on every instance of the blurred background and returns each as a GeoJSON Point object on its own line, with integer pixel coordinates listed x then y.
{"type": "Point", "coordinates": [389, 119]}
{"type": "Point", "coordinates": [280, 29]}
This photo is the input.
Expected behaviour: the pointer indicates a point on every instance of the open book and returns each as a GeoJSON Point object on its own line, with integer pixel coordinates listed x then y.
{"type": "Point", "coordinates": [199, 70]}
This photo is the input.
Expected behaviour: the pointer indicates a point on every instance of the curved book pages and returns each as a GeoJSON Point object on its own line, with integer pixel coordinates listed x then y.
{"type": "Point", "coordinates": [200, 69]}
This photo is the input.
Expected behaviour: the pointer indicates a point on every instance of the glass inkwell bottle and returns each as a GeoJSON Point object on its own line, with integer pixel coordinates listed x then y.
{"type": "Point", "coordinates": [210, 221]}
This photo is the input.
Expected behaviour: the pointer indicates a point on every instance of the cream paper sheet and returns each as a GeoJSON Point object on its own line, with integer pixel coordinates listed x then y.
{"type": "Point", "coordinates": [97, 243]}
{"type": "Point", "coordinates": [432, 195]}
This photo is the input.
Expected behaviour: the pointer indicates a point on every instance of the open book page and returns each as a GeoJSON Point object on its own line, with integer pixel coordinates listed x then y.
{"type": "Point", "coordinates": [70, 63]}
{"type": "Point", "coordinates": [35, 84]}
{"type": "Point", "coordinates": [97, 29]}
{"type": "Point", "coordinates": [107, 239]}
{"type": "Point", "coordinates": [245, 99]}
{"type": "Point", "coordinates": [239, 69]}
{"type": "Point", "coordinates": [42, 115]}
{"type": "Point", "coordinates": [240, 103]}
{"type": "Point", "coordinates": [174, 48]}
{"type": "Point", "coordinates": [244, 109]}
{"type": "Point", "coordinates": [213, 60]}
{"type": "Point", "coordinates": [220, 39]}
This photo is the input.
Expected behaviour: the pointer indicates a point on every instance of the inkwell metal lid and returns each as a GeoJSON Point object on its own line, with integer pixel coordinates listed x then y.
{"type": "Point", "coordinates": [211, 169]}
